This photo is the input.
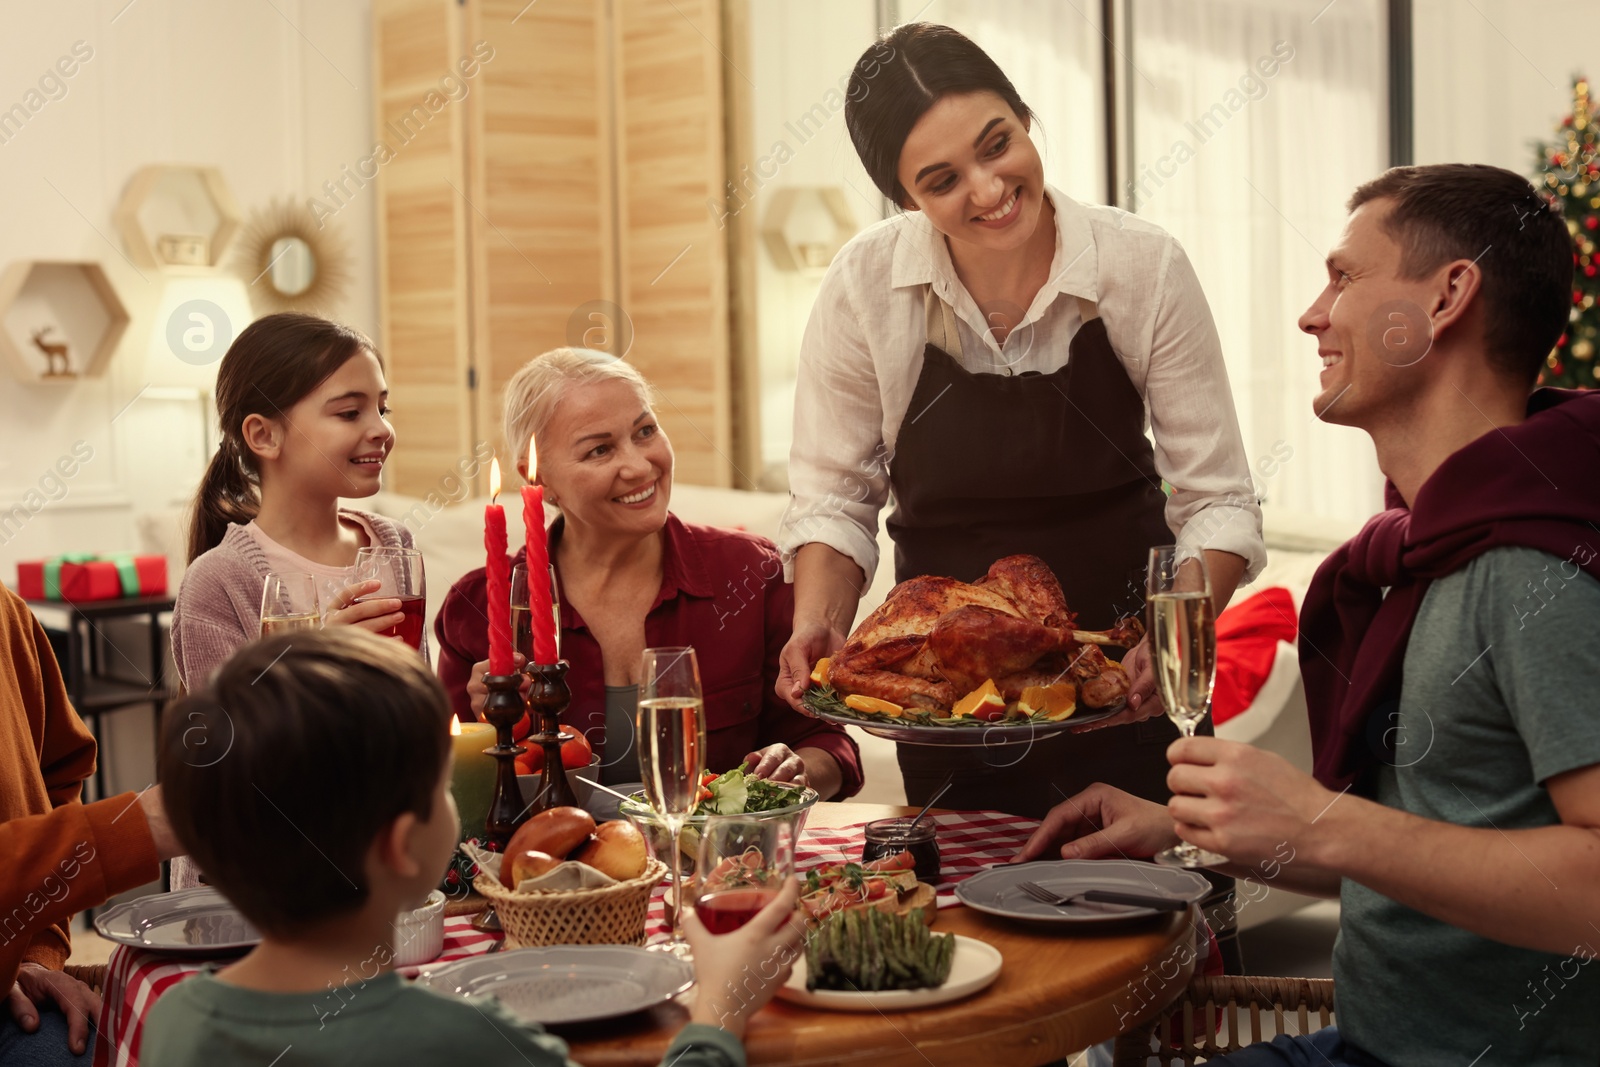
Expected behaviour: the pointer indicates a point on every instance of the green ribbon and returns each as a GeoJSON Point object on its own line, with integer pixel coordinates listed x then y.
{"type": "Point", "coordinates": [127, 571]}
{"type": "Point", "coordinates": [52, 571]}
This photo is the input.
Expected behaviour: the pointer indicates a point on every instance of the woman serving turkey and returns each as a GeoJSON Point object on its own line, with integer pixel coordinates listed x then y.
{"type": "Point", "coordinates": [989, 358]}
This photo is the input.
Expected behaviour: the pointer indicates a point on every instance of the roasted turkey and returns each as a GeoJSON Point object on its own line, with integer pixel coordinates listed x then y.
{"type": "Point", "coordinates": [936, 639]}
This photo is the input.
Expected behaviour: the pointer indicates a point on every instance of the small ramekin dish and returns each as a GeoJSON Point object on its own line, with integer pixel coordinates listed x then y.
{"type": "Point", "coordinates": [419, 933]}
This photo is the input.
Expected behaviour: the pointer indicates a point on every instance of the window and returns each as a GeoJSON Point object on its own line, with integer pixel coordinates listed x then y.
{"type": "Point", "coordinates": [1250, 123]}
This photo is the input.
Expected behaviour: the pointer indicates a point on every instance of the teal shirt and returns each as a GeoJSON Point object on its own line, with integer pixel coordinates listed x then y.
{"type": "Point", "coordinates": [204, 1022]}
{"type": "Point", "coordinates": [1501, 692]}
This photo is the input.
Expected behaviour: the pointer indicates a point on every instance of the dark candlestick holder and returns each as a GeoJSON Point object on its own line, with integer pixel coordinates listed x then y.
{"type": "Point", "coordinates": [504, 708]}
{"type": "Point", "coordinates": [547, 699]}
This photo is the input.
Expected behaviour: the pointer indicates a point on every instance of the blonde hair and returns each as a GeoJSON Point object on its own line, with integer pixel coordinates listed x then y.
{"type": "Point", "coordinates": [534, 391]}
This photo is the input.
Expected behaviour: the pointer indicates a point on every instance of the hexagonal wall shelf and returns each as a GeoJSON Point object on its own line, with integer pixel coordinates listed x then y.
{"type": "Point", "coordinates": [796, 221]}
{"type": "Point", "coordinates": [177, 218]}
{"type": "Point", "coordinates": [59, 320]}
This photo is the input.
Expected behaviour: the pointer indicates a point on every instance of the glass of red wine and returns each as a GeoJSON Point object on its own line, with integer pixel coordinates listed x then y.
{"type": "Point", "coordinates": [744, 862]}
{"type": "Point", "coordinates": [400, 571]}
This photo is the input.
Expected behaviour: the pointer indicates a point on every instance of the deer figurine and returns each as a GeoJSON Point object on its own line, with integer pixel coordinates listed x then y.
{"type": "Point", "coordinates": [55, 352]}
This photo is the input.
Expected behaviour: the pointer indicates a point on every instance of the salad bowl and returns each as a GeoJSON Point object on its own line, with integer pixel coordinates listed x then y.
{"type": "Point", "coordinates": [731, 793]}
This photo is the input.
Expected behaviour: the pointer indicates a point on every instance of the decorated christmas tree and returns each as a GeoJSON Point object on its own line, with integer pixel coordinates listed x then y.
{"type": "Point", "coordinates": [1570, 167]}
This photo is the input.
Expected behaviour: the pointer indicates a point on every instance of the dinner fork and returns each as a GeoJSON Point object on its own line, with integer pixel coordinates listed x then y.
{"type": "Point", "coordinates": [1102, 896]}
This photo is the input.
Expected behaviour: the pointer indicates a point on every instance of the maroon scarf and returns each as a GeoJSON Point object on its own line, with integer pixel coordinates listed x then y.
{"type": "Point", "coordinates": [1534, 485]}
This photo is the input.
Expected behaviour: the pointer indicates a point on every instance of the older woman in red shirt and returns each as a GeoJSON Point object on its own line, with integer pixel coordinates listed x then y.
{"type": "Point", "coordinates": [631, 576]}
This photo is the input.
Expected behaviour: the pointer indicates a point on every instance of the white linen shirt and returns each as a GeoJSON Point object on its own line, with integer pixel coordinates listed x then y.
{"type": "Point", "coordinates": [862, 355]}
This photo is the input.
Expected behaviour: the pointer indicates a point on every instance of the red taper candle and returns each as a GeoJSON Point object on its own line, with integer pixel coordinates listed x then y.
{"type": "Point", "coordinates": [540, 604]}
{"type": "Point", "coordinates": [497, 573]}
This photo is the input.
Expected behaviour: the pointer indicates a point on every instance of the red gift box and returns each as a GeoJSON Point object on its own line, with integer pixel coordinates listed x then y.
{"type": "Point", "coordinates": [30, 579]}
{"type": "Point", "coordinates": [152, 571]}
{"type": "Point", "coordinates": [84, 577]}
{"type": "Point", "coordinates": [91, 581]}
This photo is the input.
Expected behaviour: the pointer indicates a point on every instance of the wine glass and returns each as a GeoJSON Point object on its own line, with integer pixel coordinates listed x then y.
{"type": "Point", "coordinates": [400, 571]}
{"type": "Point", "coordinates": [521, 613]}
{"type": "Point", "coordinates": [672, 755]}
{"type": "Point", "coordinates": [744, 862]}
{"type": "Point", "coordinates": [521, 616]}
{"type": "Point", "coordinates": [289, 602]}
{"type": "Point", "coordinates": [1183, 652]}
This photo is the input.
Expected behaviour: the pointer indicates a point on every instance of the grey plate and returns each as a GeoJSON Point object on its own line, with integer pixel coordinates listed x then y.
{"type": "Point", "coordinates": [995, 890]}
{"type": "Point", "coordinates": [190, 922]}
{"type": "Point", "coordinates": [566, 983]}
{"type": "Point", "coordinates": [1021, 733]}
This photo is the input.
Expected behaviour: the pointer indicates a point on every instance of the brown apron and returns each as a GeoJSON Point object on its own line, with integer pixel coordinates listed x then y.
{"type": "Point", "coordinates": [1056, 465]}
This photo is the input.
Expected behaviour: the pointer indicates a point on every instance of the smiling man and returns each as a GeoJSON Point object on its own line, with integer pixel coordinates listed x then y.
{"type": "Point", "coordinates": [1448, 655]}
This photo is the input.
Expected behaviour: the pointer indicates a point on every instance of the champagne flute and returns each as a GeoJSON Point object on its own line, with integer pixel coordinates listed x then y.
{"type": "Point", "coordinates": [672, 755]}
{"type": "Point", "coordinates": [521, 614]}
{"type": "Point", "coordinates": [400, 571]}
{"type": "Point", "coordinates": [289, 602]}
{"type": "Point", "coordinates": [1183, 651]}
{"type": "Point", "coordinates": [744, 862]}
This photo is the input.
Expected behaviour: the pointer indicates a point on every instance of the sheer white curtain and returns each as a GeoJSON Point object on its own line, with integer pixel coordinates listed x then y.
{"type": "Point", "coordinates": [1050, 49]}
{"type": "Point", "coordinates": [1251, 172]}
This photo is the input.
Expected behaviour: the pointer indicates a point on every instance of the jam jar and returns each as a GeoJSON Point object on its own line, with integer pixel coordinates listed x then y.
{"type": "Point", "coordinates": [889, 837]}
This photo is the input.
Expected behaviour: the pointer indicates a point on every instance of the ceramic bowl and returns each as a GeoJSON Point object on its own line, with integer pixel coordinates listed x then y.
{"type": "Point", "coordinates": [419, 933]}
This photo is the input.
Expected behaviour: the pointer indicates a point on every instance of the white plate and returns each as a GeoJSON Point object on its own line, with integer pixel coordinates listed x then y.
{"type": "Point", "coordinates": [973, 967]}
{"type": "Point", "coordinates": [190, 922]}
{"type": "Point", "coordinates": [566, 983]}
{"type": "Point", "coordinates": [995, 890]}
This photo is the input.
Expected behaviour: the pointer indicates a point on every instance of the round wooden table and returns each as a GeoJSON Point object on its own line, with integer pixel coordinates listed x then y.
{"type": "Point", "coordinates": [1056, 994]}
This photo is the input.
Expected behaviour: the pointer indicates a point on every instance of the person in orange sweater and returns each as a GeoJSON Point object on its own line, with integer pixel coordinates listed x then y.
{"type": "Point", "coordinates": [61, 855]}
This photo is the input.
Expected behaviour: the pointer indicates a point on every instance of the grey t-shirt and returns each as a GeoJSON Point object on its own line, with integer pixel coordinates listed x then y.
{"type": "Point", "coordinates": [383, 1020]}
{"type": "Point", "coordinates": [1501, 692]}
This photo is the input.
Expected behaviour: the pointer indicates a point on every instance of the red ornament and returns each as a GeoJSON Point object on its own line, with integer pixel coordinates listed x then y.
{"type": "Point", "coordinates": [1559, 368]}
{"type": "Point", "coordinates": [1589, 271]}
{"type": "Point", "coordinates": [1561, 342]}
{"type": "Point", "coordinates": [1577, 297]}
{"type": "Point", "coordinates": [1590, 222]}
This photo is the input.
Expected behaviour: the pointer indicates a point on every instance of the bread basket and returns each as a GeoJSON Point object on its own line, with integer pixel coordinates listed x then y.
{"type": "Point", "coordinates": [609, 915]}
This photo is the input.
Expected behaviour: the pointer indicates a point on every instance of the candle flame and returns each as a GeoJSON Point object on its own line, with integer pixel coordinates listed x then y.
{"type": "Point", "coordinates": [494, 479]}
{"type": "Point", "coordinates": [533, 460]}
{"type": "Point", "coordinates": [455, 726]}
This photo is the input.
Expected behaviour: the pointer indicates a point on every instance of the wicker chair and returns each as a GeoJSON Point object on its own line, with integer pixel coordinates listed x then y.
{"type": "Point", "coordinates": [1220, 1015]}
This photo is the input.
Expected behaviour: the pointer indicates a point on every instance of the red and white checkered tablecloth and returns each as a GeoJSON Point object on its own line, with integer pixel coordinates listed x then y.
{"type": "Point", "coordinates": [969, 841]}
{"type": "Point", "coordinates": [135, 978]}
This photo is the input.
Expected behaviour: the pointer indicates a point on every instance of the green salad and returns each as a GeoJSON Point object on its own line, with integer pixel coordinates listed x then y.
{"type": "Point", "coordinates": [737, 793]}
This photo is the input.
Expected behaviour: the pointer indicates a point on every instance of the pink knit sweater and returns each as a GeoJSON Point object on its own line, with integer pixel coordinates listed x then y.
{"type": "Point", "coordinates": [219, 603]}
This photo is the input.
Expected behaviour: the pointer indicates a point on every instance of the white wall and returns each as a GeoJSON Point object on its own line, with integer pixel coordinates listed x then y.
{"type": "Point", "coordinates": [1492, 76]}
{"type": "Point", "coordinates": [275, 94]}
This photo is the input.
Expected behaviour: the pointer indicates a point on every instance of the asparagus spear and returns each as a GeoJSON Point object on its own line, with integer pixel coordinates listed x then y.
{"type": "Point", "coordinates": [871, 950]}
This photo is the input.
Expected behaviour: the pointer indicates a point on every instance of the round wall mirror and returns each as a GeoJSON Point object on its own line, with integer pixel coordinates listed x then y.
{"type": "Point", "coordinates": [294, 267]}
{"type": "Point", "coordinates": [291, 262]}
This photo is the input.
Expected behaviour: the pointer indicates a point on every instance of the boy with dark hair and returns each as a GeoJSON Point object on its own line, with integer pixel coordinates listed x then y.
{"type": "Point", "coordinates": [311, 782]}
{"type": "Point", "coordinates": [1448, 653]}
